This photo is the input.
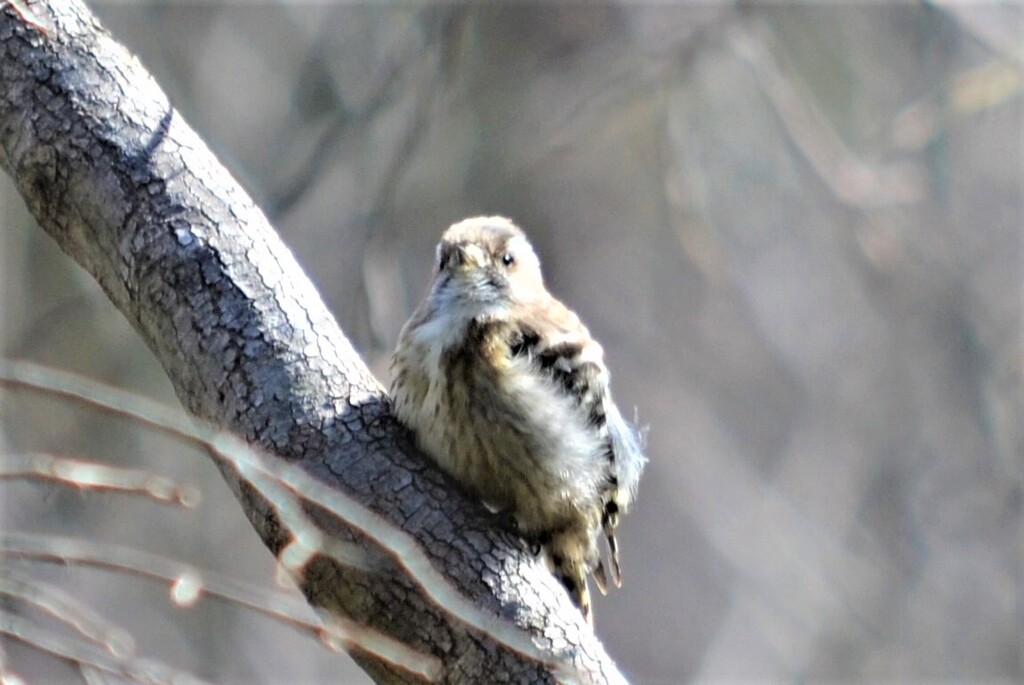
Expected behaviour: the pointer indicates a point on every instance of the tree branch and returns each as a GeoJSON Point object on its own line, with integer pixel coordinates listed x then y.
{"type": "Point", "coordinates": [129, 191]}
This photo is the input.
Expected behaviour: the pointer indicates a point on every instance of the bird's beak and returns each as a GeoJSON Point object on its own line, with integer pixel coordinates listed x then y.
{"type": "Point", "coordinates": [451, 257]}
{"type": "Point", "coordinates": [458, 256]}
{"type": "Point", "coordinates": [467, 257]}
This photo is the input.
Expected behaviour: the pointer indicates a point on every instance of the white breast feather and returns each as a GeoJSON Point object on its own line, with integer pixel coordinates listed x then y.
{"type": "Point", "coordinates": [572, 450]}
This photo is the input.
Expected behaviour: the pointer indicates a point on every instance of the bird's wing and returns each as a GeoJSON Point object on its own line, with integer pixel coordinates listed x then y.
{"type": "Point", "coordinates": [561, 346]}
{"type": "Point", "coordinates": [555, 339]}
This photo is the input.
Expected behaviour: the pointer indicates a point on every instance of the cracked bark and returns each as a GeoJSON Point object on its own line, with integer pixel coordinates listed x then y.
{"type": "Point", "coordinates": [129, 191]}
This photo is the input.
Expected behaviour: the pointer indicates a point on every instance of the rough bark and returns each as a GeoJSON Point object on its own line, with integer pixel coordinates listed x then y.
{"type": "Point", "coordinates": [129, 191]}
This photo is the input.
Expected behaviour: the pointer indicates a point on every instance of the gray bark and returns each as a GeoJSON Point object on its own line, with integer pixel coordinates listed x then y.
{"type": "Point", "coordinates": [128, 190]}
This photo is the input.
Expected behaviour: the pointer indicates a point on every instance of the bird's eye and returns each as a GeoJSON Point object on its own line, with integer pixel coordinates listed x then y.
{"type": "Point", "coordinates": [442, 263]}
{"type": "Point", "coordinates": [508, 259]}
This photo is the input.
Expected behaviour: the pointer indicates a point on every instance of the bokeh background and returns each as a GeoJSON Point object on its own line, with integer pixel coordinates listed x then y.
{"type": "Point", "coordinates": [796, 229]}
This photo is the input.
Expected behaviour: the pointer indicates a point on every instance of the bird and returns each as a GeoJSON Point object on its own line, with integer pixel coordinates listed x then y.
{"type": "Point", "coordinates": [505, 389]}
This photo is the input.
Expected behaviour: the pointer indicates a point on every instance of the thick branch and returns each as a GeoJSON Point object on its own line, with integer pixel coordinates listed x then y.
{"type": "Point", "coordinates": [128, 190]}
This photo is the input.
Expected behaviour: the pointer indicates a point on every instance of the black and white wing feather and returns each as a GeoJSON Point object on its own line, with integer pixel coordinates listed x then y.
{"type": "Point", "coordinates": [562, 348]}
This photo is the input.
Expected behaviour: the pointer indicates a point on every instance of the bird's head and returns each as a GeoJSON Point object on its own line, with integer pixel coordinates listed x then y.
{"type": "Point", "coordinates": [486, 265]}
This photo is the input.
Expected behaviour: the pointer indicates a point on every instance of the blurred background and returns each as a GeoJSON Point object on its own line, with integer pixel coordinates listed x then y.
{"type": "Point", "coordinates": [796, 230]}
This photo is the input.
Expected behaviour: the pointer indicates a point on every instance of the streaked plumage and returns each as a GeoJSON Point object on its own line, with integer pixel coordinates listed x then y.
{"type": "Point", "coordinates": [504, 387]}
